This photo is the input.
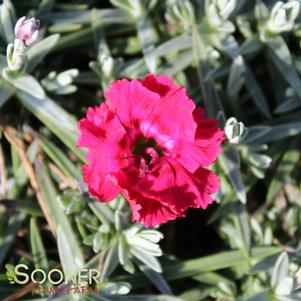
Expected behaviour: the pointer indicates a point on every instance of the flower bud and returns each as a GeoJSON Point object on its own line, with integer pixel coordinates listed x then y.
{"type": "Point", "coordinates": [180, 12]}
{"type": "Point", "coordinates": [213, 55]}
{"type": "Point", "coordinates": [16, 58]}
{"type": "Point", "coordinates": [225, 7]}
{"type": "Point", "coordinates": [61, 84]}
{"type": "Point", "coordinates": [27, 30]}
{"type": "Point", "coordinates": [107, 64]}
{"type": "Point", "coordinates": [234, 130]}
{"type": "Point", "coordinates": [218, 11]}
{"type": "Point", "coordinates": [283, 16]}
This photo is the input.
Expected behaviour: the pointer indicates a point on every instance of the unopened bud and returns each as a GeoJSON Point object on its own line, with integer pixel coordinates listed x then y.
{"type": "Point", "coordinates": [16, 58]}
{"type": "Point", "coordinates": [107, 64]}
{"type": "Point", "coordinates": [218, 12]}
{"type": "Point", "coordinates": [283, 16]}
{"type": "Point", "coordinates": [225, 7]}
{"type": "Point", "coordinates": [234, 130]}
{"type": "Point", "coordinates": [27, 30]}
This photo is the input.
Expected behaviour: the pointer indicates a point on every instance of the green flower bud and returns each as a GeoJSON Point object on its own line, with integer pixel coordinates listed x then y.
{"type": "Point", "coordinates": [16, 59]}
{"type": "Point", "coordinates": [283, 16]}
{"type": "Point", "coordinates": [234, 130]}
{"type": "Point", "coordinates": [218, 11]}
{"type": "Point", "coordinates": [224, 7]}
{"type": "Point", "coordinates": [107, 65]}
{"type": "Point", "coordinates": [61, 83]}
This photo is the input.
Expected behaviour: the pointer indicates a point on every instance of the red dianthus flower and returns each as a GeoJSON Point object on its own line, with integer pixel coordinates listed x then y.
{"type": "Point", "coordinates": [149, 142]}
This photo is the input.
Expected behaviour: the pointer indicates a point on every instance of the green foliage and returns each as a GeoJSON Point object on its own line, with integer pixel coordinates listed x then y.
{"type": "Point", "coordinates": [238, 59]}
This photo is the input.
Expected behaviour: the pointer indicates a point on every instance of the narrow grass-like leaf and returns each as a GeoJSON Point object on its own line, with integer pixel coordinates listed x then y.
{"type": "Point", "coordinates": [281, 57]}
{"type": "Point", "coordinates": [145, 298]}
{"type": "Point", "coordinates": [212, 278]}
{"type": "Point", "coordinates": [7, 21]}
{"type": "Point", "coordinates": [45, 7]}
{"type": "Point", "coordinates": [64, 28]}
{"type": "Point", "coordinates": [210, 97]}
{"type": "Point", "coordinates": [219, 71]}
{"type": "Point", "coordinates": [99, 38]}
{"type": "Point", "coordinates": [30, 85]}
{"type": "Point", "coordinates": [148, 259]}
{"type": "Point", "coordinates": [250, 46]}
{"type": "Point", "coordinates": [133, 68]}
{"type": "Point", "coordinates": [178, 43]}
{"type": "Point", "coordinates": [261, 296]}
{"type": "Point", "coordinates": [285, 167]}
{"type": "Point", "coordinates": [177, 64]}
{"type": "Point", "coordinates": [37, 246]}
{"type": "Point", "coordinates": [3, 62]}
{"type": "Point", "coordinates": [6, 91]}
{"type": "Point", "coordinates": [288, 105]}
{"type": "Point", "coordinates": [280, 270]}
{"type": "Point", "coordinates": [19, 170]}
{"type": "Point", "coordinates": [103, 212]}
{"type": "Point", "coordinates": [68, 17]}
{"type": "Point", "coordinates": [236, 77]}
{"type": "Point", "coordinates": [111, 260]}
{"type": "Point", "coordinates": [156, 278]}
{"type": "Point", "coordinates": [265, 264]}
{"type": "Point", "coordinates": [147, 36]}
{"type": "Point", "coordinates": [59, 219]}
{"type": "Point", "coordinates": [61, 123]}
{"type": "Point", "coordinates": [198, 293]}
{"type": "Point", "coordinates": [145, 245]}
{"type": "Point", "coordinates": [194, 267]}
{"type": "Point", "coordinates": [26, 206]}
{"type": "Point", "coordinates": [69, 256]}
{"type": "Point", "coordinates": [15, 222]}
{"type": "Point", "coordinates": [256, 132]}
{"type": "Point", "coordinates": [108, 16]}
{"type": "Point", "coordinates": [255, 91]}
{"type": "Point", "coordinates": [230, 163]}
{"type": "Point", "coordinates": [60, 159]}
{"type": "Point", "coordinates": [73, 39]}
{"type": "Point", "coordinates": [215, 262]}
{"type": "Point", "coordinates": [241, 221]}
{"type": "Point", "coordinates": [278, 132]}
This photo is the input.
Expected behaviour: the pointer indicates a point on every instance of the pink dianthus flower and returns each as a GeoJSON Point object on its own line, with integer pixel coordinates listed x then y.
{"type": "Point", "coordinates": [149, 142]}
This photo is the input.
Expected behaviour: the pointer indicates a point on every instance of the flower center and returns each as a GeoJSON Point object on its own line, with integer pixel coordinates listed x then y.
{"type": "Point", "coordinates": [147, 154]}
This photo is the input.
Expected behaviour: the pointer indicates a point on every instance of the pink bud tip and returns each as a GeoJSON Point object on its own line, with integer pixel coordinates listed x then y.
{"type": "Point", "coordinates": [27, 30]}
